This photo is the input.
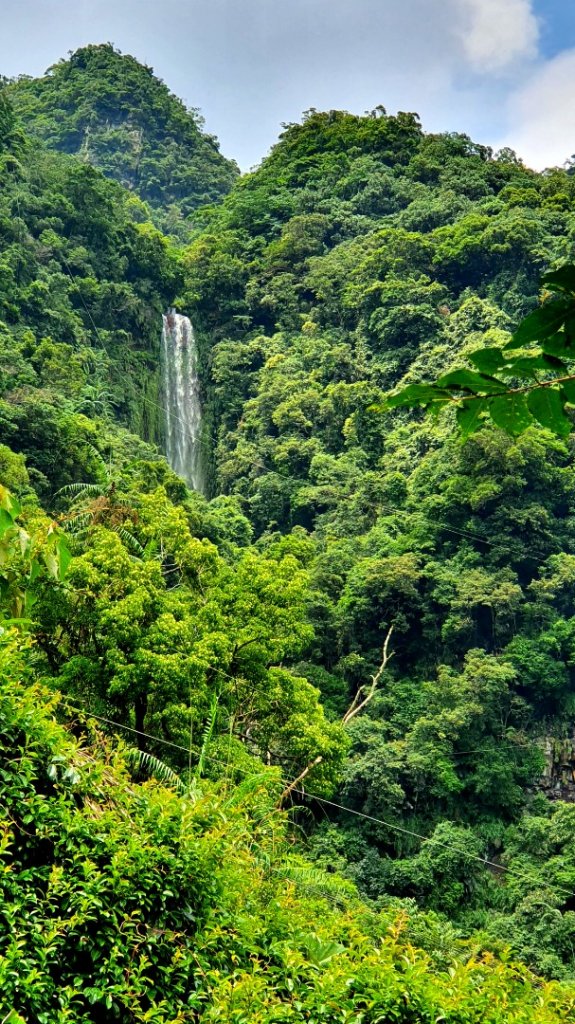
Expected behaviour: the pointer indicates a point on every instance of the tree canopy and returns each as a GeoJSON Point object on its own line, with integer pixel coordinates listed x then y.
{"type": "Point", "coordinates": [528, 380]}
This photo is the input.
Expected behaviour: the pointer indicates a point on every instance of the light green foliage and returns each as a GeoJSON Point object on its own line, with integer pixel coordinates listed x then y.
{"type": "Point", "coordinates": [127, 901]}
{"type": "Point", "coordinates": [157, 637]}
{"type": "Point", "coordinates": [28, 557]}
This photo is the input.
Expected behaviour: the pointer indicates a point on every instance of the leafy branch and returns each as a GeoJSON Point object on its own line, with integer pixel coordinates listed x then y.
{"type": "Point", "coordinates": [544, 341]}
{"type": "Point", "coordinates": [27, 558]}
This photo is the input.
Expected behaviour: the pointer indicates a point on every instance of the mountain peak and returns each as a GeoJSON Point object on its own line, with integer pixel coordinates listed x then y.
{"type": "Point", "coordinates": [114, 112]}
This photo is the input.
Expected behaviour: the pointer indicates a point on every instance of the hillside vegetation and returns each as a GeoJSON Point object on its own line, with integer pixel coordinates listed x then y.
{"type": "Point", "coordinates": [126, 901]}
{"type": "Point", "coordinates": [343, 679]}
{"type": "Point", "coordinates": [364, 254]}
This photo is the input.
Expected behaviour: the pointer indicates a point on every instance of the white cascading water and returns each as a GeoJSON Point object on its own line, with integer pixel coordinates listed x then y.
{"type": "Point", "coordinates": [182, 409]}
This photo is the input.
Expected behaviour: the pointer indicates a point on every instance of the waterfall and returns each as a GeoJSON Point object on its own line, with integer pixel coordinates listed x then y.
{"type": "Point", "coordinates": [182, 410]}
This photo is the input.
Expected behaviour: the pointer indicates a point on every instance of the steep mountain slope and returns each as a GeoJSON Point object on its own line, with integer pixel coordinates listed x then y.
{"type": "Point", "coordinates": [82, 288]}
{"type": "Point", "coordinates": [112, 112]}
{"type": "Point", "coordinates": [82, 291]}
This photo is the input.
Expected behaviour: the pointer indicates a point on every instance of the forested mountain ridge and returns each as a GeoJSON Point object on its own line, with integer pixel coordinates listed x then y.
{"type": "Point", "coordinates": [234, 632]}
{"type": "Point", "coordinates": [112, 112]}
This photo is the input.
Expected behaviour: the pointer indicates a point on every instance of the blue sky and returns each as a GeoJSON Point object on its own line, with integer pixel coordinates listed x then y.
{"type": "Point", "coordinates": [557, 25]}
{"type": "Point", "coordinates": [501, 70]}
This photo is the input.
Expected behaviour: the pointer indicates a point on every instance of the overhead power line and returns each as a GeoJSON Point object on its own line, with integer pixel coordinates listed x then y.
{"type": "Point", "coordinates": [324, 801]}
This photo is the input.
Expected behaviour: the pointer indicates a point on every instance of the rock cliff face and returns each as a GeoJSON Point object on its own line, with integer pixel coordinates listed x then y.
{"type": "Point", "coordinates": [558, 779]}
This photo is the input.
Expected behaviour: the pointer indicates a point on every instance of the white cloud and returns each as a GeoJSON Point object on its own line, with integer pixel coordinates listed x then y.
{"type": "Point", "coordinates": [495, 34]}
{"type": "Point", "coordinates": [541, 114]}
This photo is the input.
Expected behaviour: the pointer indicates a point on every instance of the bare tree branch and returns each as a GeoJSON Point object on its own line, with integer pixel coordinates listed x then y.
{"type": "Point", "coordinates": [357, 703]}
{"type": "Point", "coordinates": [289, 789]}
{"type": "Point", "coordinates": [356, 706]}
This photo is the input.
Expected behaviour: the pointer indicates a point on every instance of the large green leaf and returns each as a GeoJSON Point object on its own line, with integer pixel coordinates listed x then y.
{"type": "Point", "coordinates": [525, 367]}
{"type": "Point", "coordinates": [510, 412]}
{"type": "Point", "coordinates": [469, 380]}
{"type": "Point", "coordinates": [561, 280]}
{"type": "Point", "coordinates": [23, 540]}
{"type": "Point", "coordinates": [51, 562]}
{"type": "Point", "coordinates": [64, 556]}
{"type": "Point", "coordinates": [416, 394]}
{"type": "Point", "coordinates": [469, 415]}
{"type": "Point", "coordinates": [568, 391]}
{"type": "Point", "coordinates": [488, 360]}
{"type": "Point", "coordinates": [8, 502]}
{"type": "Point", "coordinates": [6, 521]}
{"type": "Point", "coordinates": [559, 344]}
{"type": "Point", "coordinates": [541, 323]}
{"type": "Point", "coordinates": [541, 361]}
{"type": "Point", "coordinates": [546, 405]}
{"type": "Point", "coordinates": [35, 570]}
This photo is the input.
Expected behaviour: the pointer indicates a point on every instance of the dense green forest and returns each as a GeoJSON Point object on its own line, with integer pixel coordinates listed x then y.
{"type": "Point", "coordinates": [299, 748]}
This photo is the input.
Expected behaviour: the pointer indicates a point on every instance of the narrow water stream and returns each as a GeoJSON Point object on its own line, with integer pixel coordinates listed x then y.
{"type": "Point", "coordinates": [181, 392]}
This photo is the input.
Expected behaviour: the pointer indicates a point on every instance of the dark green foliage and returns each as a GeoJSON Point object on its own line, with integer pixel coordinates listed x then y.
{"type": "Point", "coordinates": [126, 902]}
{"type": "Point", "coordinates": [363, 255]}
{"type": "Point", "coordinates": [82, 289]}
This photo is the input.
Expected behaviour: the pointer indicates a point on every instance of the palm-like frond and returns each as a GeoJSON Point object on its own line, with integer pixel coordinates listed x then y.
{"type": "Point", "coordinates": [316, 882]}
{"type": "Point", "coordinates": [99, 458]}
{"type": "Point", "coordinates": [130, 541]}
{"type": "Point", "coordinates": [152, 765]}
{"type": "Point", "coordinates": [248, 786]}
{"type": "Point", "coordinates": [77, 523]}
{"type": "Point", "coordinates": [83, 488]}
{"type": "Point", "coordinates": [207, 737]}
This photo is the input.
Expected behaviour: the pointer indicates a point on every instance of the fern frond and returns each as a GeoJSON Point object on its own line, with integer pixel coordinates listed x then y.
{"type": "Point", "coordinates": [73, 490]}
{"type": "Point", "coordinates": [130, 541]}
{"type": "Point", "coordinates": [99, 457]}
{"type": "Point", "coordinates": [207, 737]}
{"type": "Point", "coordinates": [316, 882]}
{"type": "Point", "coordinates": [248, 787]}
{"type": "Point", "coordinates": [194, 791]}
{"type": "Point", "coordinates": [77, 523]}
{"type": "Point", "coordinates": [161, 771]}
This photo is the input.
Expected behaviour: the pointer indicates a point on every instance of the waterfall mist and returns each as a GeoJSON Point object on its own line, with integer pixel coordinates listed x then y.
{"type": "Point", "coordinates": [181, 388]}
